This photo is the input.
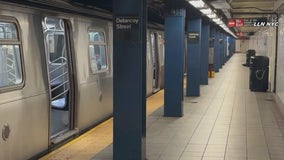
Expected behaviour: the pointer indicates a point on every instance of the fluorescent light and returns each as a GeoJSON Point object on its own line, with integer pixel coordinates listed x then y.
{"type": "Point", "coordinates": [223, 26]}
{"type": "Point", "coordinates": [197, 3]}
{"type": "Point", "coordinates": [206, 11]}
{"type": "Point", "coordinates": [203, 8]}
{"type": "Point", "coordinates": [212, 15]}
{"type": "Point", "coordinates": [216, 20]}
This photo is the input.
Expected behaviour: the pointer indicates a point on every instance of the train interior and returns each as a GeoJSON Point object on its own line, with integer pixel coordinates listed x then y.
{"type": "Point", "coordinates": [59, 79]}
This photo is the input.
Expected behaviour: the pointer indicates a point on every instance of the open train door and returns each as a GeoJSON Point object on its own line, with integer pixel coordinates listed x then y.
{"type": "Point", "coordinates": [155, 61]}
{"type": "Point", "coordinates": [61, 83]}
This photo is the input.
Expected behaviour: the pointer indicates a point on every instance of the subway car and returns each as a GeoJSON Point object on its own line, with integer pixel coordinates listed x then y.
{"type": "Point", "coordinates": [56, 75]}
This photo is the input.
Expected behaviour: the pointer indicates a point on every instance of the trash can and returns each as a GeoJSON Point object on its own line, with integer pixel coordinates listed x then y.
{"type": "Point", "coordinates": [250, 53]}
{"type": "Point", "coordinates": [259, 73]}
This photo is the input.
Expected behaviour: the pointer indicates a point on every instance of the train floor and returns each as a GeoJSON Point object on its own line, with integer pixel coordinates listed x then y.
{"type": "Point", "coordinates": [227, 122]}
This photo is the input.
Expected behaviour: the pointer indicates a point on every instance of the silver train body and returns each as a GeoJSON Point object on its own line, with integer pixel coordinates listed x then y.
{"type": "Point", "coordinates": [56, 76]}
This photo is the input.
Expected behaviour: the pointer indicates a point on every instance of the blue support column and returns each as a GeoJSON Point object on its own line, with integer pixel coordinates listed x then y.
{"type": "Point", "coordinates": [174, 60]}
{"type": "Point", "coordinates": [216, 51]}
{"type": "Point", "coordinates": [230, 40]}
{"type": "Point", "coordinates": [193, 57]}
{"type": "Point", "coordinates": [224, 49]}
{"type": "Point", "coordinates": [211, 52]}
{"type": "Point", "coordinates": [233, 46]}
{"type": "Point", "coordinates": [227, 47]}
{"type": "Point", "coordinates": [204, 53]}
{"type": "Point", "coordinates": [221, 49]}
{"type": "Point", "coordinates": [212, 35]}
{"type": "Point", "coordinates": [129, 76]}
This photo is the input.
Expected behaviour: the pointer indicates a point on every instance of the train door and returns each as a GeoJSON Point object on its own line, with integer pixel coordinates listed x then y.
{"type": "Point", "coordinates": [149, 73]}
{"type": "Point", "coordinates": [58, 55]}
{"type": "Point", "coordinates": [155, 61]}
{"type": "Point", "coordinates": [161, 56]}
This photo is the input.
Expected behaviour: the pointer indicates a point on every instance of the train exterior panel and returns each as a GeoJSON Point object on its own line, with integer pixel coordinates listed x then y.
{"type": "Point", "coordinates": [94, 89]}
{"type": "Point", "coordinates": [24, 112]}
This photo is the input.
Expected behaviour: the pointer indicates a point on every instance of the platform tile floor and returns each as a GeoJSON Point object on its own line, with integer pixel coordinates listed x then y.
{"type": "Point", "coordinates": [227, 122]}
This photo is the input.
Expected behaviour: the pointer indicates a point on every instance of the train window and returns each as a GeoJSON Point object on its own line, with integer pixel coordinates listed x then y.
{"type": "Point", "coordinates": [97, 51]}
{"type": "Point", "coordinates": [10, 58]}
{"type": "Point", "coordinates": [56, 43]}
{"type": "Point", "coordinates": [8, 31]}
{"type": "Point", "coordinates": [55, 40]}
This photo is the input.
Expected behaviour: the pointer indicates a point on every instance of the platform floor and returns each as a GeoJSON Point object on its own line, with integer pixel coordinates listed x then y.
{"type": "Point", "coordinates": [226, 122]}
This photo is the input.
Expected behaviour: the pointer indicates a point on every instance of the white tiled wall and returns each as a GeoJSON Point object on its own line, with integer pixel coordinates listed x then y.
{"type": "Point", "coordinates": [280, 60]}
{"type": "Point", "coordinates": [244, 45]}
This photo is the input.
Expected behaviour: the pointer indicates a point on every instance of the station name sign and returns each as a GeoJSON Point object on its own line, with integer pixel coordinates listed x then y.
{"type": "Point", "coordinates": [127, 27]}
{"type": "Point", "coordinates": [252, 22]}
{"type": "Point", "coordinates": [126, 23]}
{"type": "Point", "coordinates": [193, 37]}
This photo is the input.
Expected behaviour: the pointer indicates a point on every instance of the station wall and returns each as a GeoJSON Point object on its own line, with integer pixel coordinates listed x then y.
{"type": "Point", "coordinates": [280, 59]}
{"type": "Point", "coordinates": [244, 45]}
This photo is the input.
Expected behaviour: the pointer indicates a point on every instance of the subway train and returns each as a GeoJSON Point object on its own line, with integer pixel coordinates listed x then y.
{"type": "Point", "coordinates": [56, 75]}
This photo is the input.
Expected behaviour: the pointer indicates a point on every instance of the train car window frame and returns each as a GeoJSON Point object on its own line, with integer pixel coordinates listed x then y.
{"type": "Point", "coordinates": [93, 60]}
{"type": "Point", "coordinates": [14, 44]}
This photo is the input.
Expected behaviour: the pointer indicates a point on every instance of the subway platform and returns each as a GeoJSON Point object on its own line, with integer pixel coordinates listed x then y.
{"type": "Point", "coordinates": [227, 122]}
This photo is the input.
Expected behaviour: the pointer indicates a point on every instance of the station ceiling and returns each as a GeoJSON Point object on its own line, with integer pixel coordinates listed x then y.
{"type": "Point", "coordinates": [226, 9]}
{"type": "Point", "coordinates": [234, 9]}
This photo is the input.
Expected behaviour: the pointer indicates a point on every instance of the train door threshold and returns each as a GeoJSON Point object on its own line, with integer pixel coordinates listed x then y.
{"type": "Point", "coordinates": [64, 136]}
{"type": "Point", "coordinates": [156, 90]}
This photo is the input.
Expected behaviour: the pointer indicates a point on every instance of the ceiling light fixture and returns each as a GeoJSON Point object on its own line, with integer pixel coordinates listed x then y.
{"type": "Point", "coordinates": [207, 11]}
{"type": "Point", "coordinates": [197, 3]}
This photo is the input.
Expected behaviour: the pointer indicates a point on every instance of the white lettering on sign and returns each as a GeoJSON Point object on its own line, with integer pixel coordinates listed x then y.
{"type": "Point", "coordinates": [121, 26]}
{"type": "Point", "coordinates": [127, 20]}
{"type": "Point", "coordinates": [272, 24]}
{"type": "Point", "coordinates": [193, 35]}
{"type": "Point", "coordinates": [126, 23]}
{"type": "Point", "coordinates": [265, 24]}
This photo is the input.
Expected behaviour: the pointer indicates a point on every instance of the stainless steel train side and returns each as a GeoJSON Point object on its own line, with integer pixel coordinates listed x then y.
{"type": "Point", "coordinates": [94, 90]}
{"type": "Point", "coordinates": [31, 117]}
{"type": "Point", "coordinates": [25, 110]}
